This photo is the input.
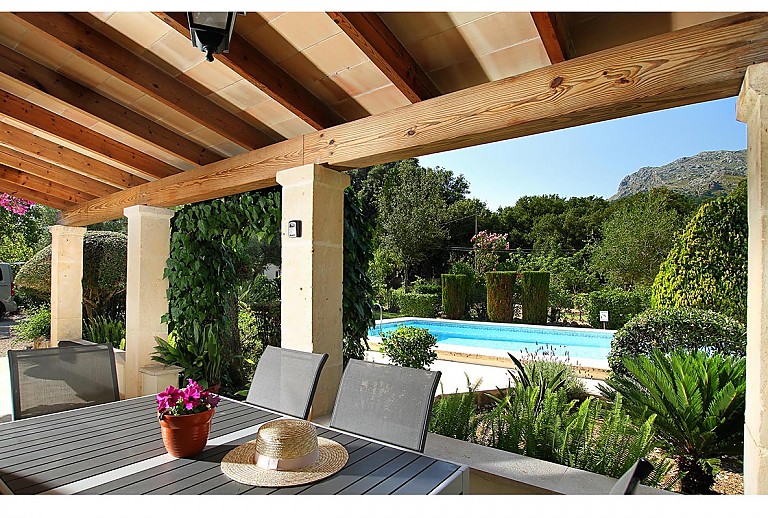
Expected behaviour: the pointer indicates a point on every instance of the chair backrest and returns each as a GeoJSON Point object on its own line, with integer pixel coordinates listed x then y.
{"type": "Point", "coordinates": [388, 403]}
{"type": "Point", "coordinates": [285, 380]}
{"type": "Point", "coordinates": [44, 381]}
{"type": "Point", "coordinates": [628, 482]}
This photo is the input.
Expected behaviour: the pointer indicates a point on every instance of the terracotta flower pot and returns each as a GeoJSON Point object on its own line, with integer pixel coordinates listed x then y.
{"type": "Point", "coordinates": [186, 435]}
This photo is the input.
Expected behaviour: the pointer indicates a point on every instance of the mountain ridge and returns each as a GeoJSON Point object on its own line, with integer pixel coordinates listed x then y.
{"type": "Point", "coordinates": [706, 174]}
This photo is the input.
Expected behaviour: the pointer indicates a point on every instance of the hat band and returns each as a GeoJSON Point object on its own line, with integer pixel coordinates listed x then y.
{"type": "Point", "coordinates": [295, 463]}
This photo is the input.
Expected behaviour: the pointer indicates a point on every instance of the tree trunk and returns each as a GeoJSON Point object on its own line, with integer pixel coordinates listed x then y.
{"type": "Point", "coordinates": [231, 347]}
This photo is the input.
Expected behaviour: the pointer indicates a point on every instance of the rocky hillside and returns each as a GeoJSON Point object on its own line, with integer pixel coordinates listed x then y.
{"type": "Point", "coordinates": [707, 174]}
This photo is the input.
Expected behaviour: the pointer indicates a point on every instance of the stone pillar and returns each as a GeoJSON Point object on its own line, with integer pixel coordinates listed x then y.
{"type": "Point", "coordinates": [149, 245]}
{"type": "Point", "coordinates": [312, 271]}
{"type": "Point", "coordinates": [66, 283]}
{"type": "Point", "coordinates": [752, 108]}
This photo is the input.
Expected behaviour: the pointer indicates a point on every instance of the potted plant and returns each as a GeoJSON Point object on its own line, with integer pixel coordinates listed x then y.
{"type": "Point", "coordinates": [199, 355]}
{"type": "Point", "coordinates": [185, 418]}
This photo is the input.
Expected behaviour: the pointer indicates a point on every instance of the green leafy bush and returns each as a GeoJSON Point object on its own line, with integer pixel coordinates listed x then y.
{"type": "Point", "coordinates": [698, 402]}
{"type": "Point", "coordinates": [36, 324]}
{"type": "Point", "coordinates": [409, 347]}
{"type": "Point", "coordinates": [500, 296]}
{"type": "Point", "coordinates": [427, 287]}
{"type": "Point", "coordinates": [621, 306]}
{"type": "Point", "coordinates": [105, 256]}
{"type": "Point", "coordinates": [677, 328]}
{"type": "Point", "coordinates": [455, 291]}
{"type": "Point", "coordinates": [417, 304]}
{"type": "Point", "coordinates": [249, 323]}
{"type": "Point", "coordinates": [103, 330]}
{"type": "Point", "coordinates": [199, 355]}
{"type": "Point", "coordinates": [545, 424]}
{"type": "Point", "coordinates": [455, 415]}
{"type": "Point", "coordinates": [542, 368]}
{"type": "Point", "coordinates": [534, 287]}
{"type": "Point", "coordinates": [707, 266]}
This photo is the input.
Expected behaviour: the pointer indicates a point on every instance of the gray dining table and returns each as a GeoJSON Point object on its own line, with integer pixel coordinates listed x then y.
{"type": "Point", "coordinates": [116, 448]}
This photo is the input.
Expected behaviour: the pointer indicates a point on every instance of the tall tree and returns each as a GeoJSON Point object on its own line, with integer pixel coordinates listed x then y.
{"type": "Point", "coordinates": [412, 213]}
{"type": "Point", "coordinates": [637, 237]}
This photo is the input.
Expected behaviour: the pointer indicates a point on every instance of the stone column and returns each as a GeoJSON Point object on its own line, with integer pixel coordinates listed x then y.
{"type": "Point", "coordinates": [149, 245]}
{"type": "Point", "coordinates": [752, 108]}
{"type": "Point", "coordinates": [312, 270]}
{"type": "Point", "coordinates": [66, 283]}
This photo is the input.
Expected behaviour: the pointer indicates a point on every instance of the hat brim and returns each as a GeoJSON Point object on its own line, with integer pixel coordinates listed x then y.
{"type": "Point", "coordinates": [240, 465]}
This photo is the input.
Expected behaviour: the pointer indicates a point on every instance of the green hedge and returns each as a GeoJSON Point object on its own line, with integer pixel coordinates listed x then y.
{"type": "Point", "coordinates": [707, 267]}
{"type": "Point", "coordinates": [417, 304]}
{"type": "Point", "coordinates": [455, 295]}
{"type": "Point", "coordinates": [677, 328]}
{"type": "Point", "coordinates": [534, 288]}
{"type": "Point", "coordinates": [621, 306]}
{"type": "Point", "coordinates": [500, 296]}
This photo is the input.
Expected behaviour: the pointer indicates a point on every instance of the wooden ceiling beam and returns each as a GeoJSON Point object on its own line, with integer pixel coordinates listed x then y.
{"type": "Point", "coordinates": [369, 32]}
{"type": "Point", "coordinates": [32, 195]}
{"type": "Point", "coordinates": [25, 142]}
{"type": "Point", "coordinates": [41, 169]}
{"type": "Point", "coordinates": [62, 89]}
{"type": "Point", "coordinates": [696, 64]}
{"type": "Point", "coordinates": [551, 35]}
{"type": "Point", "coordinates": [75, 36]}
{"type": "Point", "coordinates": [62, 192]}
{"type": "Point", "coordinates": [36, 116]}
{"type": "Point", "coordinates": [256, 68]}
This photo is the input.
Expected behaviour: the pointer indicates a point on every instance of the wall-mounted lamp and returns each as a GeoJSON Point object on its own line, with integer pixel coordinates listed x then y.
{"type": "Point", "coordinates": [211, 32]}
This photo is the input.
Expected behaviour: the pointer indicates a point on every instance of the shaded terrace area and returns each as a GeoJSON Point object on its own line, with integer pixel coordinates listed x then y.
{"type": "Point", "coordinates": [112, 114]}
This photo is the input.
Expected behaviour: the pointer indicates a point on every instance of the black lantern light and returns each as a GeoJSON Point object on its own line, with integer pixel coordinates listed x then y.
{"type": "Point", "coordinates": [211, 32]}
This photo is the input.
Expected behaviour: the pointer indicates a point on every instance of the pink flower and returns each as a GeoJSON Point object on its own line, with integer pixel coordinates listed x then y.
{"type": "Point", "coordinates": [14, 204]}
{"type": "Point", "coordinates": [211, 398]}
{"type": "Point", "coordinates": [168, 398]}
{"type": "Point", "coordinates": [190, 395]}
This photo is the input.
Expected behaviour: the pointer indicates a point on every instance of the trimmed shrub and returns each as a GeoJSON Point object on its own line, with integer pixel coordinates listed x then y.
{"type": "Point", "coordinates": [500, 296]}
{"type": "Point", "coordinates": [455, 292]}
{"type": "Point", "coordinates": [409, 347]}
{"type": "Point", "coordinates": [707, 267]}
{"type": "Point", "coordinates": [621, 306]}
{"type": "Point", "coordinates": [534, 288]}
{"type": "Point", "coordinates": [418, 304]}
{"type": "Point", "coordinates": [426, 287]}
{"type": "Point", "coordinates": [677, 328]}
{"type": "Point", "coordinates": [105, 256]}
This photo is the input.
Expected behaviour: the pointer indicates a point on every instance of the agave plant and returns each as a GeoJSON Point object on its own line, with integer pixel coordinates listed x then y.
{"type": "Point", "coordinates": [699, 404]}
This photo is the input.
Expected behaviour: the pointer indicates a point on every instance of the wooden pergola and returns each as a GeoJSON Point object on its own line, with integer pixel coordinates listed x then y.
{"type": "Point", "coordinates": [106, 114]}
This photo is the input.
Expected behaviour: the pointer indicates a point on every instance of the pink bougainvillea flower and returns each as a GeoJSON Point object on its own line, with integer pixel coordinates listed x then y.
{"type": "Point", "coordinates": [15, 205]}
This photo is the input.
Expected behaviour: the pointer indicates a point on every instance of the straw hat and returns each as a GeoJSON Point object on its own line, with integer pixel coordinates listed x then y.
{"type": "Point", "coordinates": [286, 452]}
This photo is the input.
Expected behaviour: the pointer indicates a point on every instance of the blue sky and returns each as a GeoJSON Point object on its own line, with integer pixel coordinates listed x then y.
{"type": "Point", "coordinates": [592, 159]}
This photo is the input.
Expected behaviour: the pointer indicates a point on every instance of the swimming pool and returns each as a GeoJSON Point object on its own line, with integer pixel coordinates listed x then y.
{"type": "Point", "coordinates": [594, 344]}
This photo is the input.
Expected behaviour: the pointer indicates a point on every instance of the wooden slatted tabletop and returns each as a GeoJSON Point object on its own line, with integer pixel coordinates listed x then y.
{"type": "Point", "coordinates": [116, 448]}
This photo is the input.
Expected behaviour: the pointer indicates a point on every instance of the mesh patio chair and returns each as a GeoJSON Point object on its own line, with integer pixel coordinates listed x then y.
{"type": "Point", "coordinates": [627, 484]}
{"type": "Point", "coordinates": [285, 381]}
{"type": "Point", "coordinates": [44, 381]}
{"type": "Point", "coordinates": [387, 403]}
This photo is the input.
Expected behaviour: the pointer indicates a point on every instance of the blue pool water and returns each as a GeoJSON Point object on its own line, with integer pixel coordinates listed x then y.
{"type": "Point", "coordinates": [574, 342]}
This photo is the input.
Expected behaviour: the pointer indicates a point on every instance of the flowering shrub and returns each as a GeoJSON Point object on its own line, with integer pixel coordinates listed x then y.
{"type": "Point", "coordinates": [192, 399]}
{"type": "Point", "coordinates": [485, 247]}
{"type": "Point", "coordinates": [14, 204]}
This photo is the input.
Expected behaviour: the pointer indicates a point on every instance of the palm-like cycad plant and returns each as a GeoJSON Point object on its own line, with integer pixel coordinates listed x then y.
{"type": "Point", "coordinates": [699, 405]}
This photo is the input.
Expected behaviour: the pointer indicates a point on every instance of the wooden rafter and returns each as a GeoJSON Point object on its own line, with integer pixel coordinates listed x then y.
{"type": "Point", "coordinates": [25, 142]}
{"type": "Point", "coordinates": [33, 195]}
{"type": "Point", "coordinates": [369, 32]}
{"type": "Point", "coordinates": [70, 33]}
{"type": "Point", "coordinates": [47, 187]}
{"type": "Point", "coordinates": [67, 91]}
{"type": "Point", "coordinates": [696, 64]}
{"type": "Point", "coordinates": [256, 68]}
{"type": "Point", "coordinates": [550, 34]}
{"type": "Point", "coordinates": [45, 120]}
{"type": "Point", "coordinates": [42, 169]}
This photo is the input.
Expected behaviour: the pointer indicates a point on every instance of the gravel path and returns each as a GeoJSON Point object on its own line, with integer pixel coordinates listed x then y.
{"type": "Point", "coordinates": [6, 336]}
